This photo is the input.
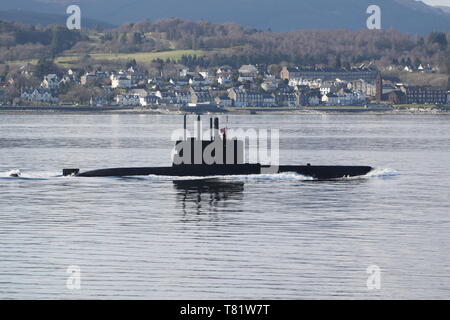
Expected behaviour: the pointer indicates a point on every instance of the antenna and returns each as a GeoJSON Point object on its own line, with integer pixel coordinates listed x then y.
{"type": "Point", "coordinates": [199, 128]}
{"type": "Point", "coordinates": [216, 128]}
{"type": "Point", "coordinates": [185, 126]}
{"type": "Point", "coordinates": [211, 128]}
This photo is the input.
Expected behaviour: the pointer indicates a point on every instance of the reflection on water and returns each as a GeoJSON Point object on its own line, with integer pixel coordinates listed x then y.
{"type": "Point", "coordinates": [201, 196]}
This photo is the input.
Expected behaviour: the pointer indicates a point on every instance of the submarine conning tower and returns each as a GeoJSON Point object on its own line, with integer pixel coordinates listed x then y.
{"type": "Point", "coordinates": [216, 150]}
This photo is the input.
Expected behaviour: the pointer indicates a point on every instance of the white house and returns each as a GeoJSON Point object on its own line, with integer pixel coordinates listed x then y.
{"type": "Point", "coordinates": [120, 81]}
{"type": "Point", "coordinates": [224, 101]}
{"type": "Point", "coordinates": [186, 72]}
{"type": "Point", "coordinates": [204, 74]}
{"type": "Point", "coordinates": [98, 101]}
{"type": "Point", "coordinates": [245, 78]}
{"type": "Point", "coordinates": [139, 92]}
{"type": "Point", "coordinates": [248, 69]}
{"type": "Point", "coordinates": [150, 100]}
{"type": "Point", "coordinates": [316, 83]}
{"type": "Point", "coordinates": [223, 80]}
{"type": "Point", "coordinates": [269, 85]}
{"type": "Point", "coordinates": [330, 99]}
{"type": "Point", "coordinates": [408, 69]}
{"type": "Point", "coordinates": [38, 95]}
{"type": "Point", "coordinates": [179, 81]}
{"type": "Point", "coordinates": [344, 99]}
{"type": "Point", "coordinates": [128, 100]}
{"type": "Point", "coordinates": [182, 97]}
{"type": "Point", "coordinates": [50, 82]}
{"type": "Point", "coordinates": [87, 78]}
{"type": "Point", "coordinates": [166, 98]}
{"type": "Point", "coordinates": [224, 71]}
{"type": "Point", "coordinates": [199, 81]}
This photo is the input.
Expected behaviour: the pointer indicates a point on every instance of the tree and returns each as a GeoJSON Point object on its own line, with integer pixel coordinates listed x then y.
{"type": "Point", "coordinates": [131, 63]}
{"type": "Point", "coordinates": [44, 67]}
{"type": "Point", "coordinates": [439, 38]}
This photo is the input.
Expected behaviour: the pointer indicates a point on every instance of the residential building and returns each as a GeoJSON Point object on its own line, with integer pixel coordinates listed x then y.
{"type": "Point", "coordinates": [224, 101]}
{"type": "Point", "coordinates": [245, 78]}
{"type": "Point", "coordinates": [3, 97]}
{"type": "Point", "coordinates": [344, 99]}
{"type": "Point", "coordinates": [330, 99]}
{"type": "Point", "coordinates": [142, 93]}
{"type": "Point", "coordinates": [363, 86]}
{"type": "Point", "coordinates": [39, 95]}
{"type": "Point", "coordinates": [149, 100]}
{"type": "Point", "coordinates": [99, 101]}
{"type": "Point", "coordinates": [50, 82]}
{"type": "Point", "coordinates": [199, 81]}
{"type": "Point", "coordinates": [135, 75]}
{"type": "Point", "coordinates": [224, 80]}
{"type": "Point", "coordinates": [313, 100]}
{"type": "Point", "coordinates": [182, 97]}
{"type": "Point", "coordinates": [130, 100]}
{"type": "Point", "coordinates": [88, 78]}
{"type": "Point", "coordinates": [166, 97]}
{"type": "Point", "coordinates": [200, 97]}
{"type": "Point", "coordinates": [397, 97]}
{"type": "Point", "coordinates": [120, 81]}
{"type": "Point", "coordinates": [248, 70]}
{"type": "Point", "coordinates": [269, 100]}
{"type": "Point", "coordinates": [269, 85]}
{"type": "Point", "coordinates": [181, 82]}
{"type": "Point", "coordinates": [329, 74]}
{"type": "Point", "coordinates": [245, 98]}
{"type": "Point", "coordinates": [224, 71]}
{"type": "Point", "coordinates": [424, 95]}
{"type": "Point", "coordinates": [426, 69]}
{"type": "Point", "coordinates": [287, 99]}
{"type": "Point", "coordinates": [186, 72]}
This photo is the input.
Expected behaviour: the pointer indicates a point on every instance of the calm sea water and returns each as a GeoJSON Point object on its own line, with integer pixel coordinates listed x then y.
{"type": "Point", "coordinates": [240, 237]}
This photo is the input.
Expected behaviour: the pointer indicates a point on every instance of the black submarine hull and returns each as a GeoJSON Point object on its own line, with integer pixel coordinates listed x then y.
{"type": "Point", "coordinates": [316, 172]}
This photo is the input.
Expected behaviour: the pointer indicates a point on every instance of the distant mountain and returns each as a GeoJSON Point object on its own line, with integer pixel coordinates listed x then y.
{"type": "Point", "coordinates": [282, 15]}
{"type": "Point", "coordinates": [444, 8]}
{"type": "Point", "coordinates": [40, 18]}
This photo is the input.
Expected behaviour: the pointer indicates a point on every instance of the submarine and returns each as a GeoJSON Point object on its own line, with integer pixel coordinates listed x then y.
{"type": "Point", "coordinates": [227, 159]}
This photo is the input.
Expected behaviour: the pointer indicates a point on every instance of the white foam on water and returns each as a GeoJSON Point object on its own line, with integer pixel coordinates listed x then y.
{"type": "Point", "coordinates": [377, 173]}
{"type": "Point", "coordinates": [382, 173]}
{"type": "Point", "coordinates": [18, 174]}
{"type": "Point", "coordinates": [286, 176]}
{"type": "Point", "coordinates": [14, 173]}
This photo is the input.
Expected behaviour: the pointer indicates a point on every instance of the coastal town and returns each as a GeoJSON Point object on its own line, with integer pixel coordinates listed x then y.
{"type": "Point", "coordinates": [223, 88]}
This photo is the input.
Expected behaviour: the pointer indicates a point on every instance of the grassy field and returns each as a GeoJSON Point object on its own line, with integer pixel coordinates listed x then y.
{"type": "Point", "coordinates": [419, 79]}
{"type": "Point", "coordinates": [140, 57]}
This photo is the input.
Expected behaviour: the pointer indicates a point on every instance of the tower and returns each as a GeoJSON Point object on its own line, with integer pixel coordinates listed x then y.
{"type": "Point", "coordinates": [379, 88]}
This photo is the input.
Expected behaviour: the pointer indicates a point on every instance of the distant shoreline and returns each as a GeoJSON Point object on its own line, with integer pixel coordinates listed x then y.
{"type": "Point", "coordinates": [231, 111]}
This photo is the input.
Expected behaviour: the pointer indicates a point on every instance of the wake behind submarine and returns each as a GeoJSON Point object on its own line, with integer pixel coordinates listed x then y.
{"type": "Point", "coordinates": [228, 160]}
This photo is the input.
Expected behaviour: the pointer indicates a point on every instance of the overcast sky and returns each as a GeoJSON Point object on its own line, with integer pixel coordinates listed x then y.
{"type": "Point", "coordinates": [438, 2]}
